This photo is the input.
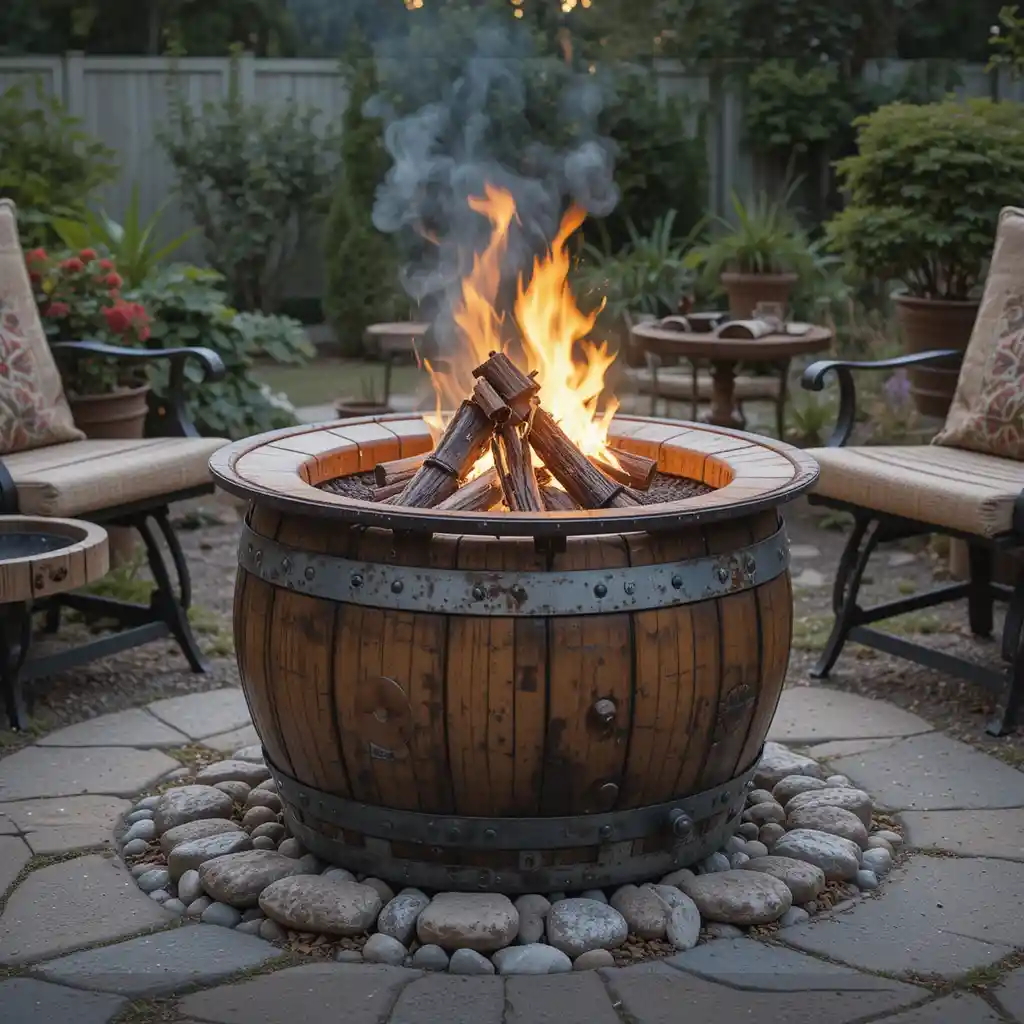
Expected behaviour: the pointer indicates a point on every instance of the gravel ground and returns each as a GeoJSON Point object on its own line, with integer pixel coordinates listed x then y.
{"type": "Point", "coordinates": [209, 530]}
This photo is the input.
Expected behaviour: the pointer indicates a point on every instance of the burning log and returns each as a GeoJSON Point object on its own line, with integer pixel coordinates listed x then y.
{"type": "Point", "coordinates": [513, 386]}
{"type": "Point", "coordinates": [635, 471]}
{"type": "Point", "coordinates": [397, 470]}
{"type": "Point", "coordinates": [514, 461]}
{"type": "Point", "coordinates": [465, 439]}
{"type": "Point", "coordinates": [480, 494]}
{"type": "Point", "coordinates": [388, 491]}
{"type": "Point", "coordinates": [556, 500]}
{"type": "Point", "coordinates": [490, 401]}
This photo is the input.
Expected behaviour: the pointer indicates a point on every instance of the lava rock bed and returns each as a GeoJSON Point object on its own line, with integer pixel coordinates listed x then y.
{"type": "Point", "coordinates": [217, 849]}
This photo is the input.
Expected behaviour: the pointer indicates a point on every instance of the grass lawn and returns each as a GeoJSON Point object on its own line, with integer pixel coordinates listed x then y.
{"type": "Point", "coordinates": [327, 379]}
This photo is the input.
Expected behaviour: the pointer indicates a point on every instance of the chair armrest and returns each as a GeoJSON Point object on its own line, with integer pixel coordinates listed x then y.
{"type": "Point", "coordinates": [813, 379]}
{"type": "Point", "coordinates": [168, 416]}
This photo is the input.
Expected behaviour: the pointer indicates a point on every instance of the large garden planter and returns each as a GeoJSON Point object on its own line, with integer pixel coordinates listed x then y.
{"type": "Point", "coordinates": [348, 408]}
{"type": "Point", "coordinates": [746, 291]}
{"type": "Point", "coordinates": [929, 324]}
{"type": "Point", "coordinates": [120, 415]}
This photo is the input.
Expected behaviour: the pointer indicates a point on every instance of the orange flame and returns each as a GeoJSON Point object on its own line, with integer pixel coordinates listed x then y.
{"type": "Point", "coordinates": [570, 369]}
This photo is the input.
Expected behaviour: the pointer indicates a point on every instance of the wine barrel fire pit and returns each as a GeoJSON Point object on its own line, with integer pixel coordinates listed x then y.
{"type": "Point", "coordinates": [517, 701]}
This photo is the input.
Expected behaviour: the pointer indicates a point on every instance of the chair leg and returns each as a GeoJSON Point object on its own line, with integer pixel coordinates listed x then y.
{"type": "Point", "coordinates": [15, 639]}
{"type": "Point", "coordinates": [1013, 651]}
{"type": "Point", "coordinates": [844, 592]}
{"type": "Point", "coordinates": [780, 405]}
{"type": "Point", "coordinates": [980, 599]}
{"type": "Point", "coordinates": [172, 609]}
{"type": "Point", "coordinates": [52, 623]}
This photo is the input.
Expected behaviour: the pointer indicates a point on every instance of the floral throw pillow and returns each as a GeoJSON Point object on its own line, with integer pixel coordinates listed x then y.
{"type": "Point", "coordinates": [33, 409]}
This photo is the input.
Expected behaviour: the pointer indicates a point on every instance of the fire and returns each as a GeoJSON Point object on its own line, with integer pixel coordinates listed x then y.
{"type": "Point", "coordinates": [570, 369]}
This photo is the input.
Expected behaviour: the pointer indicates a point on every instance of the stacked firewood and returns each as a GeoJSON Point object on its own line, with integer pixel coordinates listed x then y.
{"type": "Point", "coordinates": [504, 416]}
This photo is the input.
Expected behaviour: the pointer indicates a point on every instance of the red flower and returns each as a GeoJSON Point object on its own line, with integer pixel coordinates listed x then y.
{"type": "Point", "coordinates": [106, 264]}
{"type": "Point", "coordinates": [113, 281]}
{"type": "Point", "coordinates": [123, 317]}
{"type": "Point", "coordinates": [74, 265]}
{"type": "Point", "coordinates": [57, 310]}
{"type": "Point", "coordinates": [36, 256]}
{"type": "Point", "coordinates": [87, 255]}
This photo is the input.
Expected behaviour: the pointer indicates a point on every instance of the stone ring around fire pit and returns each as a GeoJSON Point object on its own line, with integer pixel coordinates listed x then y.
{"type": "Point", "coordinates": [447, 703]}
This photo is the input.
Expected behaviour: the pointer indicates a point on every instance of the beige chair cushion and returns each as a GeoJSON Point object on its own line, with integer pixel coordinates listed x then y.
{"type": "Point", "coordinates": [987, 413]}
{"type": "Point", "coordinates": [86, 476]}
{"type": "Point", "coordinates": [941, 486]}
{"type": "Point", "coordinates": [33, 409]}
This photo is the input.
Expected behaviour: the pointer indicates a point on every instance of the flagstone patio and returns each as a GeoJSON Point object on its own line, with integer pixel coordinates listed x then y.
{"type": "Point", "coordinates": [941, 942]}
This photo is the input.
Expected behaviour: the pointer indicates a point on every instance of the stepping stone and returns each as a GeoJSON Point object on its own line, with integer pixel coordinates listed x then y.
{"type": "Point", "coordinates": [229, 742]}
{"type": "Point", "coordinates": [1010, 994]}
{"type": "Point", "coordinates": [810, 578]}
{"type": "Point", "coordinates": [61, 771]}
{"type": "Point", "coordinates": [14, 855]}
{"type": "Point", "coordinates": [843, 748]}
{"type": "Point", "coordinates": [353, 993]}
{"type": "Point", "coordinates": [933, 773]}
{"type": "Point", "coordinates": [454, 999]}
{"type": "Point", "coordinates": [75, 903]}
{"type": "Point", "coordinates": [134, 728]}
{"type": "Point", "coordinates": [813, 714]}
{"type": "Point", "coordinates": [201, 715]}
{"type": "Point", "coordinates": [939, 915]}
{"type": "Point", "coordinates": [26, 1001]}
{"type": "Point", "coordinates": [153, 965]}
{"type": "Point", "coordinates": [562, 999]}
{"type": "Point", "coordinates": [66, 823]}
{"type": "Point", "coordinates": [657, 994]}
{"type": "Point", "coordinates": [964, 1009]}
{"type": "Point", "coordinates": [967, 833]}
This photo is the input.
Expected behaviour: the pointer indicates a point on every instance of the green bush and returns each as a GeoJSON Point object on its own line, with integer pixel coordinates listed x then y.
{"type": "Point", "coordinates": [925, 191]}
{"type": "Point", "coordinates": [49, 166]}
{"type": "Point", "coordinates": [187, 307]}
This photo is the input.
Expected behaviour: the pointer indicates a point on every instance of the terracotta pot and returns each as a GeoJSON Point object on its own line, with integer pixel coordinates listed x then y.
{"type": "Point", "coordinates": [120, 415]}
{"type": "Point", "coordinates": [932, 324]}
{"type": "Point", "coordinates": [745, 291]}
{"type": "Point", "coordinates": [347, 408]}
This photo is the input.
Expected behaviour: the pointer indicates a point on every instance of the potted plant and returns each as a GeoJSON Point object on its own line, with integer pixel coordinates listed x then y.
{"type": "Point", "coordinates": [758, 258]}
{"type": "Point", "coordinates": [924, 193]}
{"type": "Point", "coordinates": [79, 299]}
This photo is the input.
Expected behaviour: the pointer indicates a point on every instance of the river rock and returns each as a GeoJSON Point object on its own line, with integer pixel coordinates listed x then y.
{"type": "Point", "coordinates": [239, 878]}
{"type": "Point", "coordinates": [384, 891]}
{"type": "Point", "coordinates": [341, 875]}
{"type": "Point", "coordinates": [834, 820]}
{"type": "Point", "coordinates": [143, 814]}
{"type": "Point", "coordinates": [189, 887]}
{"type": "Point", "coordinates": [755, 848]}
{"type": "Point", "coordinates": [838, 858]}
{"type": "Point", "coordinates": [759, 796]}
{"type": "Point", "coordinates": [670, 895]}
{"type": "Point", "coordinates": [134, 847]}
{"type": "Point", "coordinates": [594, 894]}
{"type": "Point", "coordinates": [398, 918]}
{"type": "Point", "coordinates": [737, 860]}
{"type": "Point", "coordinates": [748, 830]}
{"type": "Point", "coordinates": [293, 848]}
{"type": "Point", "coordinates": [482, 922]}
{"type": "Point", "coordinates": [196, 830]}
{"type": "Point", "coordinates": [469, 961]}
{"type": "Point", "coordinates": [238, 791]}
{"type": "Point", "coordinates": [803, 880]}
{"type": "Point", "coordinates": [762, 814]}
{"type": "Point", "coordinates": [838, 780]}
{"type": "Point", "coordinates": [770, 834]}
{"type": "Point", "coordinates": [866, 880]}
{"type": "Point", "coordinates": [249, 927]}
{"type": "Point", "coordinates": [778, 761]}
{"type": "Point", "coordinates": [252, 753]}
{"type": "Point", "coordinates": [855, 800]}
{"type": "Point", "coordinates": [876, 860]}
{"type": "Point", "coordinates": [683, 929]}
{"type": "Point", "coordinates": [646, 915]}
{"type": "Point", "coordinates": [185, 804]}
{"type": "Point", "coordinates": [593, 960]}
{"type": "Point", "coordinates": [876, 842]}
{"type": "Point", "coordinates": [311, 903]}
{"type": "Point", "coordinates": [160, 896]}
{"type": "Point", "coordinates": [147, 803]}
{"type": "Point", "coordinates": [154, 879]}
{"type": "Point", "coordinates": [536, 958]}
{"type": "Point", "coordinates": [263, 798]}
{"type": "Point", "coordinates": [186, 856]}
{"type": "Point", "coordinates": [721, 930]}
{"type": "Point", "coordinates": [256, 816]}
{"type": "Point", "coordinates": [677, 877]}
{"type": "Point", "coordinates": [576, 926]}
{"type": "Point", "coordinates": [175, 906]}
{"type": "Point", "coordinates": [430, 958]}
{"type": "Point", "coordinates": [383, 949]}
{"type": "Point", "coordinates": [787, 788]}
{"type": "Point", "coordinates": [249, 772]}
{"type": "Point", "coordinates": [894, 839]}
{"type": "Point", "coordinates": [222, 914]}
{"type": "Point", "coordinates": [196, 907]}
{"type": "Point", "coordinates": [794, 916]}
{"type": "Point", "coordinates": [272, 931]}
{"type": "Point", "coordinates": [716, 862]}
{"type": "Point", "coordinates": [144, 829]}
{"type": "Point", "coordinates": [263, 843]}
{"type": "Point", "coordinates": [740, 897]}
{"type": "Point", "coordinates": [271, 829]}
{"type": "Point", "coordinates": [532, 909]}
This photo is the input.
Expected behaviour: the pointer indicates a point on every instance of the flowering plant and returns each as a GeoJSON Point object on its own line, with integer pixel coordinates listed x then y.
{"type": "Point", "coordinates": [79, 299]}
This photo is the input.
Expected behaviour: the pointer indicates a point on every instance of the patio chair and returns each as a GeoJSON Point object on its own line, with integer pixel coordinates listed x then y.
{"type": "Point", "coordinates": [968, 484]}
{"type": "Point", "coordinates": [48, 468]}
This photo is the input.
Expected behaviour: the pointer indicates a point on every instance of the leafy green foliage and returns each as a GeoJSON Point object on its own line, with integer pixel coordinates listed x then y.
{"type": "Point", "coordinates": [1007, 42]}
{"type": "Point", "coordinates": [49, 166]}
{"type": "Point", "coordinates": [132, 244]}
{"type": "Point", "coordinates": [188, 307]}
{"type": "Point", "coordinates": [925, 191]}
{"type": "Point", "coordinates": [252, 178]}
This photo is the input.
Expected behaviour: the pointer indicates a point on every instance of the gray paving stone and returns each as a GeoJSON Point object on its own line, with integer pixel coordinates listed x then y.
{"type": "Point", "coordinates": [26, 1001]}
{"type": "Point", "coordinates": [843, 748]}
{"type": "Point", "coordinates": [658, 994]}
{"type": "Point", "coordinates": [75, 903]}
{"type": "Point", "coordinates": [451, 999]}
{"type": "Point", "coordinates": [200, 715]}
{"type": "Point", "coordinates": [14, 855]}
{"type": "Point", "coordinates": [938, 915]}
{"type": "Point", "coordinates": [814, 714]}
{"type": "Point", "coordinates": [229, 742]}
{"type": "Point", "coordinates": [749, 964]}
{"type": "Point", "coordinates": [968, 833]}
{"type": "Point", "coordinates": [1010, 994]}
{"type": "Point", "coordinates": [352, 993]}
{"type": "Point", "coordinates": [132, 728]}
{"type": "Point", "coordinates": [7, 827]}
{"type": "Point", "coordinates": [152, 965]}
{"type": "Point", "coordinates": [955, 1009]}
{"type": "Point", "coordinates": [61, 771]}
{"type": "Point", "coordinates": [559, 999]}
{"type": "Point", "coordinates": [67, 823]}
{"type": "Point", "coordinates": [934, 773]}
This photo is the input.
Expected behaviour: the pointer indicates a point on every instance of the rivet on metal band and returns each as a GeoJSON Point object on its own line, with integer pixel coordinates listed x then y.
{"type": "Point", "coordinates": [475, 592]}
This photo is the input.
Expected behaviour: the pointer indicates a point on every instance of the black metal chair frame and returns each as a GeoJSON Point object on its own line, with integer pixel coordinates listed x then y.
{"type": "Point", "coordinates": [872, 527]}
{"type": "Point", "coordinates": [167, 612]}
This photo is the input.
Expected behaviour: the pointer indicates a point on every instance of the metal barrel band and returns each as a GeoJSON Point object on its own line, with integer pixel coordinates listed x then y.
{"type": "Point", "coordinates": [473, 592]}
{"type": "Point", "coordinates": [677, 818]}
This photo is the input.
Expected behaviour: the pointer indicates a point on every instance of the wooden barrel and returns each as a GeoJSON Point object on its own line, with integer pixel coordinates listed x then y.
{"type": "Point", "coordinates": [454, 711]}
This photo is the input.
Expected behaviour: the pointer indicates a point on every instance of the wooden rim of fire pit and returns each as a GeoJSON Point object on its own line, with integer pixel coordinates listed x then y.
{"type": "Point", "coordinates": [282, 469]}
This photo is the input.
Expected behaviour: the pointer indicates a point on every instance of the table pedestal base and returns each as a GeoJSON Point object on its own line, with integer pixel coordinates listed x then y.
{"type": "Point", "coordinates": [724, 411]}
